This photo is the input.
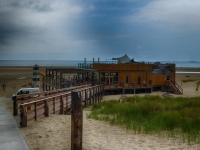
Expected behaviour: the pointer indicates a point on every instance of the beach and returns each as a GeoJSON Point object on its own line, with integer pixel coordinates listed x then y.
{"type": "Point", "coordinates": [54, 132]}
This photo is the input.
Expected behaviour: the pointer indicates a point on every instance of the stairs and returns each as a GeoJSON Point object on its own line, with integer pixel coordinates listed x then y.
{"type": "Point", "coordinates": [174, 88]}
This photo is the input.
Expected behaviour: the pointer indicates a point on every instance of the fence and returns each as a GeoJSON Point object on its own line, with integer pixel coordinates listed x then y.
{"type": "Point", "coordinates": [24, 98]}
{"type": "Point", "coordinates": [34, 109]}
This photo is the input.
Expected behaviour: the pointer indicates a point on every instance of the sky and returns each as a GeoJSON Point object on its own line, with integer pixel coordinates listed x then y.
{"type": "Point", "coordinates": [146, 30]}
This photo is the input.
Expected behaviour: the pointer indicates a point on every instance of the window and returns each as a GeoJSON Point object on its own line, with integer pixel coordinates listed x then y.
{"type": "Point", "coordinates": [109, 77]}
{"type": "Point", "coordinates": [168, 78]}
{"type": "Point", "coordinates": [102, 74]}
{"type": "Point", "coordinates": [115, 79]}
{"type": "Point", "coordinates": [126, 79]}
{"type": "Point", "coordinates": [139, 80]}
{"type": "Point", "coordinates": [103, 79]}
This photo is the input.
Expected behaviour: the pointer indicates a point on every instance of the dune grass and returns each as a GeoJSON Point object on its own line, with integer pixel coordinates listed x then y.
{"type": "Point", "coordinates": [188, 80]}
{"type": "Point", "coordinates": [174, 117]}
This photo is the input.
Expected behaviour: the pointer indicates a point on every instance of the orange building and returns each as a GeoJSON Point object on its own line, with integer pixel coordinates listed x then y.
{"type": "Point", "coordinates": [124, 75]}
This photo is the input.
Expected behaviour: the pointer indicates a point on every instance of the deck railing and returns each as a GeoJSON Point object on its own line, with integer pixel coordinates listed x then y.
{"type": "Point", "coordinates": [175, 87]}
{"type": "Point", "coordinates": [57, 103]}
{"type": "Point", "coordinates": [24, 98]}
{"type": "Point", "coordinates": [126, 85]}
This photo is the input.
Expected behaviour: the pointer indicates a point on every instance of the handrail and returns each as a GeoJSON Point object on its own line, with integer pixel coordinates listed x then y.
{"type": "Point", "coordinates": [123, 85]}
{"type": "Point", "coordinates": [29, 97]}
{"type": "Point", "coordinates": [57, 104]}
{"type": "Point", "coordinates": [176, 86]}
{"type": "Point", "coordinates": [49, 92]}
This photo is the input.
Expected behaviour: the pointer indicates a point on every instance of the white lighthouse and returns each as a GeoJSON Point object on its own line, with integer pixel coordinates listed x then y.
{"type": "Point", "coordinates": [36, 76]}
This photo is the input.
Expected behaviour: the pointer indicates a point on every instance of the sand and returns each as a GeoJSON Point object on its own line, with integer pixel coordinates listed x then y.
{"type": "Point", "coordinates": [54, 132]}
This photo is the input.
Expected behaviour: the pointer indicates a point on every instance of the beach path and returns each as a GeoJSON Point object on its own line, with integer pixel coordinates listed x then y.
{"type": "Point", "coordinates": [10, 136]}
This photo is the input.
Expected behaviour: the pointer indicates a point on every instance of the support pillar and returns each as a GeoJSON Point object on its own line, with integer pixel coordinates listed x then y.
{"type": "Point", "coordinates": [76, 122]}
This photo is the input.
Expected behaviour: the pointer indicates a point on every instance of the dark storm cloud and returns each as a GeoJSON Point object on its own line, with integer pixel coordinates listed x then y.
{"type": "Point", "coordinates": [10, 30]}
{"type": "Point", "coordinates": [93, 28]}
{"type": "Point", "coordinates": [30, 4]}
{"type": "Point", "coordinates": [13, 25]}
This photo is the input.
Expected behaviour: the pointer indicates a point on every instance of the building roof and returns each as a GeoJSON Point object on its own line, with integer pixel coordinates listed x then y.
{"type": "Point", "coordinates": [124, 59]}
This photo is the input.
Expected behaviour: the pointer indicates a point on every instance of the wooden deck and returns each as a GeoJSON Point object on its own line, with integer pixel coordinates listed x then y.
{"type": "Point", "coordinates": [127, 89]}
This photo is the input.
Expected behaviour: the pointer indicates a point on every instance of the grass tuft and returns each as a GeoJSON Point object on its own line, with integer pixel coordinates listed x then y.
{"type": "Point", "coordinates": [180, 117]}
{"type": "Point", "coordinates": [188, 80]}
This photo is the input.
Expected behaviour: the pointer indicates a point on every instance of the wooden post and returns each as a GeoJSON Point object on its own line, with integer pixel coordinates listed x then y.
{"type": "Point", "coordinates": [57, 80]}
{"type": "Point", "coordinates": [35, 105]}
{"type": "Point", "coordinates": [76, 122]}
{"type": "Point", "coordinates": [85, 98]}
{"type": "Point", "coordinates": [61, 105]}
{"type": "Point", "coordinates": [46, 79]}
{"type": "Point", "coordinates": [23, 116]}
{"type": "Point", "coordinates": [103, 92]}
{"type": "Point", "coordinates": [90, 99]}
{"type": "Point", "coordinates": [46, 108]}
{"type": "Point", "coordinates": [60, 80]}
{"type": "Point", "coordinates": [54, 105]}
{"type": "Point", "coordinates": [43, 78]}
{"type": "Point", "coordinates": [67, 101]}
{"type": "Point", "coordinates": [49, 81]}
{"type": "Point", "coordinates": [93, 96]}
{"type": "Point", "coordinates": [15, 107]}
{"type": "Point", "coordinates": [52, 80]}
{"type": "Point", "coordinates": [98, 94]}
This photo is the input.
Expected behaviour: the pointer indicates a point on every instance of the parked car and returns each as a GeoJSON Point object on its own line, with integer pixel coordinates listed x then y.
{"type": "Point", "coordinates": [25, 91]}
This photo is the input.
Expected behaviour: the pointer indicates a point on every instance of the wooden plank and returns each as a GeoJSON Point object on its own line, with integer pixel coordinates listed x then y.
{"type": "Point", "coordinates": [57, 112]}
{"type": "Point", "coordinates": [41, 115]}
{"type": "Point", "coordinates": [31, 119]}
{"type": "Point", "coordinates": [40, 108]}
{"type": "Point", "coordinates": [30, 111]}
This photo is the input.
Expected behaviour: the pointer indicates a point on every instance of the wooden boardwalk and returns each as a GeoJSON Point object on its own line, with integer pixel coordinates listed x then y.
{"type": "Point", "coordinates": [53, 102]}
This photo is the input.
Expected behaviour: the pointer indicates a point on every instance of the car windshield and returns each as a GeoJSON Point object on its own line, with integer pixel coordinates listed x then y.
{"type": "Point", "coordinates": [18, 92]}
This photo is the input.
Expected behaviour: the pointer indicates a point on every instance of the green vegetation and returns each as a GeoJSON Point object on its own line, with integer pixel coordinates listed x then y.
{"type": "Point", "coordinates": [188, 80]}
{"type": "Point", "coordinates": [172, 117]}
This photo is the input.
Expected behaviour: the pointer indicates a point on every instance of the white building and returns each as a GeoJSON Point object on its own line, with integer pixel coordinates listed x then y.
{"type": "Point", "coordinates": [36, 76]}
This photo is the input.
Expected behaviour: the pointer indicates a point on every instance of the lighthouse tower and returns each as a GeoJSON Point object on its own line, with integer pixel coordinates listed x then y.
{"type": "Point", "coordinates": [36, 76]}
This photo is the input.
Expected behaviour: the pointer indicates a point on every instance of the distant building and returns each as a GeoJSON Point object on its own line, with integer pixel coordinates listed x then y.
{"type": "Point", "coordinates": [36, 76]}
{"type": "Point", "coordinates": [136, 77]}
{"type": "Point", "coordinates": [118, 75]}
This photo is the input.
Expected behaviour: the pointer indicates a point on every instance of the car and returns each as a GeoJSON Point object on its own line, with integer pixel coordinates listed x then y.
{"type": "Point", "coordinates": [25, 91]}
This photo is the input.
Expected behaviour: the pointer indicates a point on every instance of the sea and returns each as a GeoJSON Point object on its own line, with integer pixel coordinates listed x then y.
{"type": "Point", "coordinates": [44, 63]}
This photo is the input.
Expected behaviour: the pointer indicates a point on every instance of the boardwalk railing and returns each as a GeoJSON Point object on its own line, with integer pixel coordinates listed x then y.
{"type": "Point", "coordinates": [57, 103]}
{"type": "Point", "coordinates": [127, 85]}
{"type": "Point", "coordinates": [24, 98]}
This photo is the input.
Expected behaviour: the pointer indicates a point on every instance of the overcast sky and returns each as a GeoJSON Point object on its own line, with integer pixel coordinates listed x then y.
{"type": "Point", "coordinates": [146, 30]}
